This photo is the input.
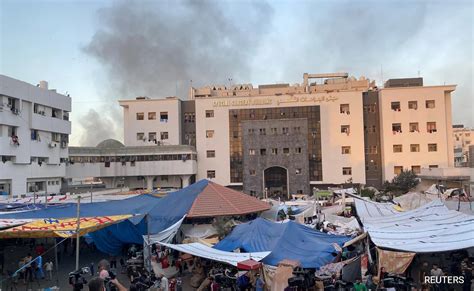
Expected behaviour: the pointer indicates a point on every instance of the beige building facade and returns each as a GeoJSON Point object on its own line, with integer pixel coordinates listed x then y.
{"type": "Point", "coordinates": [283, 139]}
{"type": "Point", "coordinates": [463, 138]}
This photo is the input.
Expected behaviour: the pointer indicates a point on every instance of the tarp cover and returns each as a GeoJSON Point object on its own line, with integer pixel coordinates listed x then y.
{"type": "Point", "coordinates": [430, 228]}
{"type": "Point", "coordinates": [369, 209]}
{"type": "Point", "coordinates": [203, 251]}
{"type": "Point", "coordinates": [43, 228]}
{"type": "Point", "coordinates": [288, 240]}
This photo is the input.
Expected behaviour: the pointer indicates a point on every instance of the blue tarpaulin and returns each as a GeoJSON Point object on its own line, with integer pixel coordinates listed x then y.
{"type": "Point", "coordinates": [160, 213]}
{"type": "Point", "coordinates": [289, 240]}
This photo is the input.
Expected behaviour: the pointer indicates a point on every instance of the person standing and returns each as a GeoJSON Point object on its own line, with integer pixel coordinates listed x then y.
{"type": "Point", "coordinates": [436, 272]}
{"type": "Point", "coordinates": [259, 283]}
{"type": "Point", "coordinates": [164, 283]}
{"type": "Point", "coordinates": [49, 269]}
{"type": "Point", "coordinates": [28, 268]}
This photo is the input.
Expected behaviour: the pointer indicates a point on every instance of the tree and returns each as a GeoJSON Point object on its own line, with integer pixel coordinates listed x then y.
{"type": "Point", "coordinates": [402, 183]}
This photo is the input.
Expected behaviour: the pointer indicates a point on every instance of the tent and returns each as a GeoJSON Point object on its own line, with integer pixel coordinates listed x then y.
{"type": "Point", "coordinates": [429, 228]}
{"type": "Point", "coordinates": [288, 240]}
{"type": "Point", "coordinates": [367, 209]}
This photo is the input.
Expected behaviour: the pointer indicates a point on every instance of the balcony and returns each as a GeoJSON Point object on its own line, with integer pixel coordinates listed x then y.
{"type": "Point", "coordinates": [51, 124]}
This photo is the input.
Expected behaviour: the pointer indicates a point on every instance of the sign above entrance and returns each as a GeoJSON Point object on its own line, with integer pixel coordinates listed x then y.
{"type": "Point", "coordinates": [271, 101]}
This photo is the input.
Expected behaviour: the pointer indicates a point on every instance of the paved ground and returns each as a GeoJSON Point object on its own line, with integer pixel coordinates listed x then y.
{"type": "Point", "coordinates": [14, 253]}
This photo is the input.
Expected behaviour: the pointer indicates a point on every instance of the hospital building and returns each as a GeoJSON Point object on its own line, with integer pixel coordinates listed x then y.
{"type": "Point", "coordinates": [283, 139]}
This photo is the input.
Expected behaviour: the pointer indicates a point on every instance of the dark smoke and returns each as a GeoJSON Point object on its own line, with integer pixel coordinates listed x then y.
{"type": "Point", "coordinates": [97, 127]}
{"type": "Point", "coordinates": [157, 48]}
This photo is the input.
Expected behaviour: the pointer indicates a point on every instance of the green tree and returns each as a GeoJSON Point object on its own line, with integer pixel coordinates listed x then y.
{"type": "Point", "coordinates": [402, 183]}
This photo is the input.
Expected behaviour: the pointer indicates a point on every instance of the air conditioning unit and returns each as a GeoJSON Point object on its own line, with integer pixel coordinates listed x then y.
{"type": "Point", "coordinates": [52, 144]}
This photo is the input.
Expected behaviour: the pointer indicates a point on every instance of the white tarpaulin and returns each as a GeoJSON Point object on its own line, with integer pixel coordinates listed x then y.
{"type": "Point", "coordinates": [6, 223]}
{"type": "Point", "coordinates": [203, 251]}
{"type": "Point", "coordinates": [368, 209]}
{"type": "Point", "coordinates": [430, 228]}
{"type": "Point", "coordinates": [198, 231]}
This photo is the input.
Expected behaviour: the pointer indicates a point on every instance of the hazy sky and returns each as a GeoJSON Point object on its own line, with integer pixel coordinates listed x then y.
{"type": "Point", "coordinates": [101, 51]}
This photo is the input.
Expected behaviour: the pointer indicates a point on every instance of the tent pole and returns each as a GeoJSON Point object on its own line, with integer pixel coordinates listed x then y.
{"type": "Point", "coordinates": [77, 231]}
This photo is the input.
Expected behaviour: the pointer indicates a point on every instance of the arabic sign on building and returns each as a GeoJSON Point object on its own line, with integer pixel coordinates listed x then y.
{"type": "Point", "coordinates": [271, 101]}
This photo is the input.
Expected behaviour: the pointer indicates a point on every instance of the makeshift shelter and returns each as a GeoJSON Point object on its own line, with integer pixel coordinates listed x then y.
{"type": "Point", "coordinates": [429, 228]}
{"type": "Point", "coordinates": [288, 240]}
{"type": "Point", "coordinates": [367, 209]}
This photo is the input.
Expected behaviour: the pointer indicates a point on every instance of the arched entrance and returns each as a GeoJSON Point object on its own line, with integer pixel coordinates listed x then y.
{"type": "Point", "coordinates": [275, 181]}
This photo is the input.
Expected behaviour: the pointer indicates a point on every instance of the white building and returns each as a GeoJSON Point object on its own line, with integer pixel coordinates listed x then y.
{"type": "Point", "coordinates": [463, 139]}
{"type": "Point", "coordinates": [134, 167]}
{"type": "Point", "coordinates": [34, 136]}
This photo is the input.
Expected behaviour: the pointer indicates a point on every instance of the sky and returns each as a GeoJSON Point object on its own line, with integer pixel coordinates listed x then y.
{"type": "Point", "coordinates": [103, 51]}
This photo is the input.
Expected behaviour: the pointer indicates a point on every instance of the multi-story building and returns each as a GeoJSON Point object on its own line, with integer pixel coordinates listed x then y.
{"type": "Point", "coordinates": [463, 138]}
{"type": "Point", "coordinates": [147, 167]}
{"type": "Point", "coordinates": [34, 136]}
{"type": "Point", "coordinates": [283, 139]}
{"type": "Point", "coordinates": [415, 127]}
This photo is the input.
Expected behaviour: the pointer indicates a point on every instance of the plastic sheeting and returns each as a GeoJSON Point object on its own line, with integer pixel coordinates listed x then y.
{"type": "Point", "coordinates": [198, 231]}
{"type": "Point", "coordinates": [203, 251]}
{"type": "Point", "coordinates": [368, 209]}
{"type": "Point", "coordinates": [430, 228]}
{"type": "Point", "coordinates": [288, 240]}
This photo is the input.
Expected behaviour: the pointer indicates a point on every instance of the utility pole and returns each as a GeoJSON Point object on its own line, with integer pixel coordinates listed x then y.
{"type": "Point", "coordinates": [78, 236]}
{"type": "Point", "coordinates": [315, 193]}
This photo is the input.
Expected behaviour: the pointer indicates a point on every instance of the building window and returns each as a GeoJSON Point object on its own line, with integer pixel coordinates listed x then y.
{"type": "Point", "coordinates": [298, 150]}
{"type": "Point", "coordinates": [397, 148]}
{"type": "Point", "coordinates": [151, 115]}
{"type": "Point", "coordinates": [413, 105]}
{"type": "Point", "coordinates": [396, 128]}
{"type": "Point", "coordinates": [414, 148]}
{"type": "Point", "coordinates": [274, 151]}
{"type": "Point", "coordinates": [369, 108]}
{"type": "Point", "coordinates": [132, 164]}
{"type": "Point", "coordinates": [344, 109]}
{"type": "Point", "coordinates": [263, 131]}
{"type": "Point", "coordinates": [297, 129]}
{"type": "Point", "coordinates": [211, 174]}
{"type": "Point", "coordinates": [396, 106]}
{"type": "Point", "coordinates": [140, 135]}
{"type": "Point", "coordinates": [35, 135]}
{"type": "Point", "coordinates": [263, 152]}
{"type": "Point", "coordinates": [152, 136]}
{"type": "Point", "coordinates": [140, 115]}
{"type": "Point", "coordinates": [346, 150]}
{"type": "Point", "coordinates": [397, 170]}
{"type": "Point", "coordinates": [298, 171]}
{"type": "Point", "coordinates": [430, 104]}
{"type": "Point", "coordinates": [371, 150]}
{"type": "Point", "coordinates": [286, 151]}
{"type": "Point", "coordinates": [347, 171]}
{"type": "Point", "coordinates": [211, 154]}
{"type": "Point", "coordinates": [414, 127]}
{"type": "Point", "coordinates": [432, 147]}
{"type": "Point", "coordinates": [209, 113]}
{"type": "Point", "coordinates": [251, 130]}
{"type": "Point", "coordinates": [252, 152]}
{"type": "Point", "coordinates": [209, 133]}
{"type": "Point", "coordinates": [433, 166]}
{"type": "Point", "coordinates": [189, 117]}
{"type": "Point", "coordinates": [107, 164]}
{"type": "Point", "coordinates": [163, 135]}
{"type": "Point", "coordinates": [274, 130]}
{"type": "Point", "coordinates": [345, 129]}
{"type": "Point", "coordinates": [252, 172]}
{"type": "Point", "coordinates": [285, 130]}
{"type": "Point", "coordinates": [163, 116]}
{"type": "Point", "coordinates": [431, 127]}
{"type": "Point", "coordinates": [253, 193]}
{"type": "Point", "coordinates": [416, 169]}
